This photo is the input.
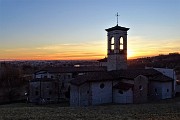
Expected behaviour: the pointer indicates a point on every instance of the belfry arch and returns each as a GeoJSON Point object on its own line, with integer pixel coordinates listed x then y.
{"type": "Point", "coordinates": [121, 45]}
{"type": "Point", "coordinates": [112, 44]}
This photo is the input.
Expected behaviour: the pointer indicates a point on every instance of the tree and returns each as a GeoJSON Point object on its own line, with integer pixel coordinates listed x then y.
{"type": "Point", "coordinates": [10, 79]}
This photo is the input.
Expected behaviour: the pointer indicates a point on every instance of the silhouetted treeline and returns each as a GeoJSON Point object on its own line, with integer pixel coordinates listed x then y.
{"type": "Point", "coordinates": [12, 81]}
{"type": "Point", "coordinates": [172, 60]}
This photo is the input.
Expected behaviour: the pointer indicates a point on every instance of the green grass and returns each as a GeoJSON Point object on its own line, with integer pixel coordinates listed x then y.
{"type": "Point", "coordinates": [162, 110]}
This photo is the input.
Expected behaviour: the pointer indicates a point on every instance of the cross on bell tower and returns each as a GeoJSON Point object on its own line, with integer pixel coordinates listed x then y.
{"type": "Point", "coordinates": [117, 17]}
{"type": "Point", "coordinates": [117, 47]}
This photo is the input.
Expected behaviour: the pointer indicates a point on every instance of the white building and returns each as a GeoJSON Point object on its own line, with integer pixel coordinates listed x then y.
{"type": "Point", "coordinates": [119, 84]}
{"type": "Point", "coordinates": [122, 86]}
{"type": "Point", "coordinates": [52, 84]}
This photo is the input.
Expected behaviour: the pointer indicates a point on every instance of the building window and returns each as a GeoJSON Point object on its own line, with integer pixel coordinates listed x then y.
{"type": "Point", "coordinates": [167, 90]}
{"type": "Point", "coordinates": [59, 76]}
{"type": "Point", "coordinates": [62, 86]}
{"type": "Point", "coordinates": [155, 90]}
{"type": "Point", "coordinates": [47, 87]}
{"type": "Point", "coordinates": [140, 87]}
{"type": "Point", "coordinates": [48, 99]}
{"type": "Point", "coordinates": [88, 92]}
{"type": "Point", "coordinates": [102, 85]}
{"type": "Point", "coordinates": [69, 76]}
{"type": "Point", "coordinates": [112, 44]}
{"type": "Point", "coordinates": [50, 92]}
{"type": "Point", "coordinates": [52, 76]}
{"type": "Point", "coordinates": [36, 93]}
{"type": "Point", "coordinates": [120, 92]}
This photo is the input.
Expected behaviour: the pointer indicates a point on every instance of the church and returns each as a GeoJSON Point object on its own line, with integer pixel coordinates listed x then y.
{"type": "Point", "coordinates": [118, 84]}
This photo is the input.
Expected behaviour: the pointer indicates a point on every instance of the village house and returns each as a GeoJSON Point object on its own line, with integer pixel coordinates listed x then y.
{"type": "Point", "coordinates": [178, 84]}
{"type": "Point", "coordinates": [53, 84]}
{"type": "Point", "coordinates": [118, 84]}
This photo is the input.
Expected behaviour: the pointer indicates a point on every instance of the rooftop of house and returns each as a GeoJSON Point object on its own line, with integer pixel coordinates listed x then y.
{"type": "Point", "coordinates": [123, 86]}
{"type": "Point", "coordinates": [92, 77]}
{"type": "Point", "coordinates": [161, 78]}
{"type": "Point", "coordinates": [132, 73]}
{"type": "Point", "coordinates": [43, 80]}
{"type": "Point", "coordinates": [152, 74]}
{"type": "Point", "coordinates": [71, 69]}
{"type": "Point", "coordinates": [103, 60]}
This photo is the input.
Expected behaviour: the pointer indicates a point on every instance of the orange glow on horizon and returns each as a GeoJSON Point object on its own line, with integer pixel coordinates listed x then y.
{"type": "Point", "coordinates": [137, 48]}
{"type": "Point", "coordinates": [93, 56]}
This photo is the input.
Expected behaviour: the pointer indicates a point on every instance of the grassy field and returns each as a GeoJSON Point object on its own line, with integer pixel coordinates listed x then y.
{"type": "Point", "coordinates": [162, 110]}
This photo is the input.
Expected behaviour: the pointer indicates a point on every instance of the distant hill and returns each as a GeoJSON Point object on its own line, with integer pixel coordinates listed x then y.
{"type": "Point", "coordinates": [171, 60]}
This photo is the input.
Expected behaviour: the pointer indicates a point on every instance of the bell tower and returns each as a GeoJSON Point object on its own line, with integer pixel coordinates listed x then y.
{"type": "Point", "coordinates": [117, 47]}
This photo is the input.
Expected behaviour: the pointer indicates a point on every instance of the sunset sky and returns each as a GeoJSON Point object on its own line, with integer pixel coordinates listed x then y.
{"type": "Point", "coordinates": [75, 29]}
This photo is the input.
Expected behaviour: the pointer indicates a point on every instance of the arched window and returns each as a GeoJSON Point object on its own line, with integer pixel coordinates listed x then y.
{"type": "Point", "coordinates": [112, 43]}
{"type": "Point", "coordinates": [121, 43]}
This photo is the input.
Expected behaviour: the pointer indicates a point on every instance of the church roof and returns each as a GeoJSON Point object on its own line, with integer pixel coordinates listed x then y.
{"type": "Point", "coordinates": [117, 28]}
{"type": "Point", "coordinates": [152, 74]}
{"type": "Point", "coordinates": [123, 86]}
{"type": "Point", "coordinates": [71, 69]}
{"type": "Point", "coordinates": [92, 77]}
{"type": "Point", "coordinates": [103, 60]}
{"type": "Point", "coordinates": [161, 78]}
{"type": "Point", "coordinates": [132, 73]}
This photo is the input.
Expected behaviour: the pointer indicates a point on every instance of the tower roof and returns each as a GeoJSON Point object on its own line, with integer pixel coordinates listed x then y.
{"type": "Point", "coordinates": [117, 28]}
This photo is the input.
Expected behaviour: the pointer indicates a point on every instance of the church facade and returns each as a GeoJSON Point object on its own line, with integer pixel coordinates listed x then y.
{"type": "Point", "coordinates": [118, 84]}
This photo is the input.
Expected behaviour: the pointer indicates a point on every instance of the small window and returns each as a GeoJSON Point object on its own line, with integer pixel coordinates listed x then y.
{"type": "Point", "coordinates": [102, 85]}
{"type": "Point", "coordinates": [88, 92]}
{"type": "Point", "coordinates": [140, 87]}
{"type": "Point", "coordinates": [52, 76]}
{"type": "Point", "coordinates": [120, 92]}
{"type": "Point", "coordinates": [47, 87]}
{"type": "Point", "coordinates": [62, 85]}
{"type": "Point", "coordinates": [155, 90]}
{"type": "Point", "coordinates": [167, 90]}
{"type": "Point", "coordinates": [48, 99]}
{"type": "Point", "coordinates": [36, 92]}
{"type": "Point", "coordinates": [50, 92]}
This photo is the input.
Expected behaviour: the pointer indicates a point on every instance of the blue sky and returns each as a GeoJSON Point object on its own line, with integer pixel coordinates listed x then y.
{"type": "Point", "coordinates": [45, 29]}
